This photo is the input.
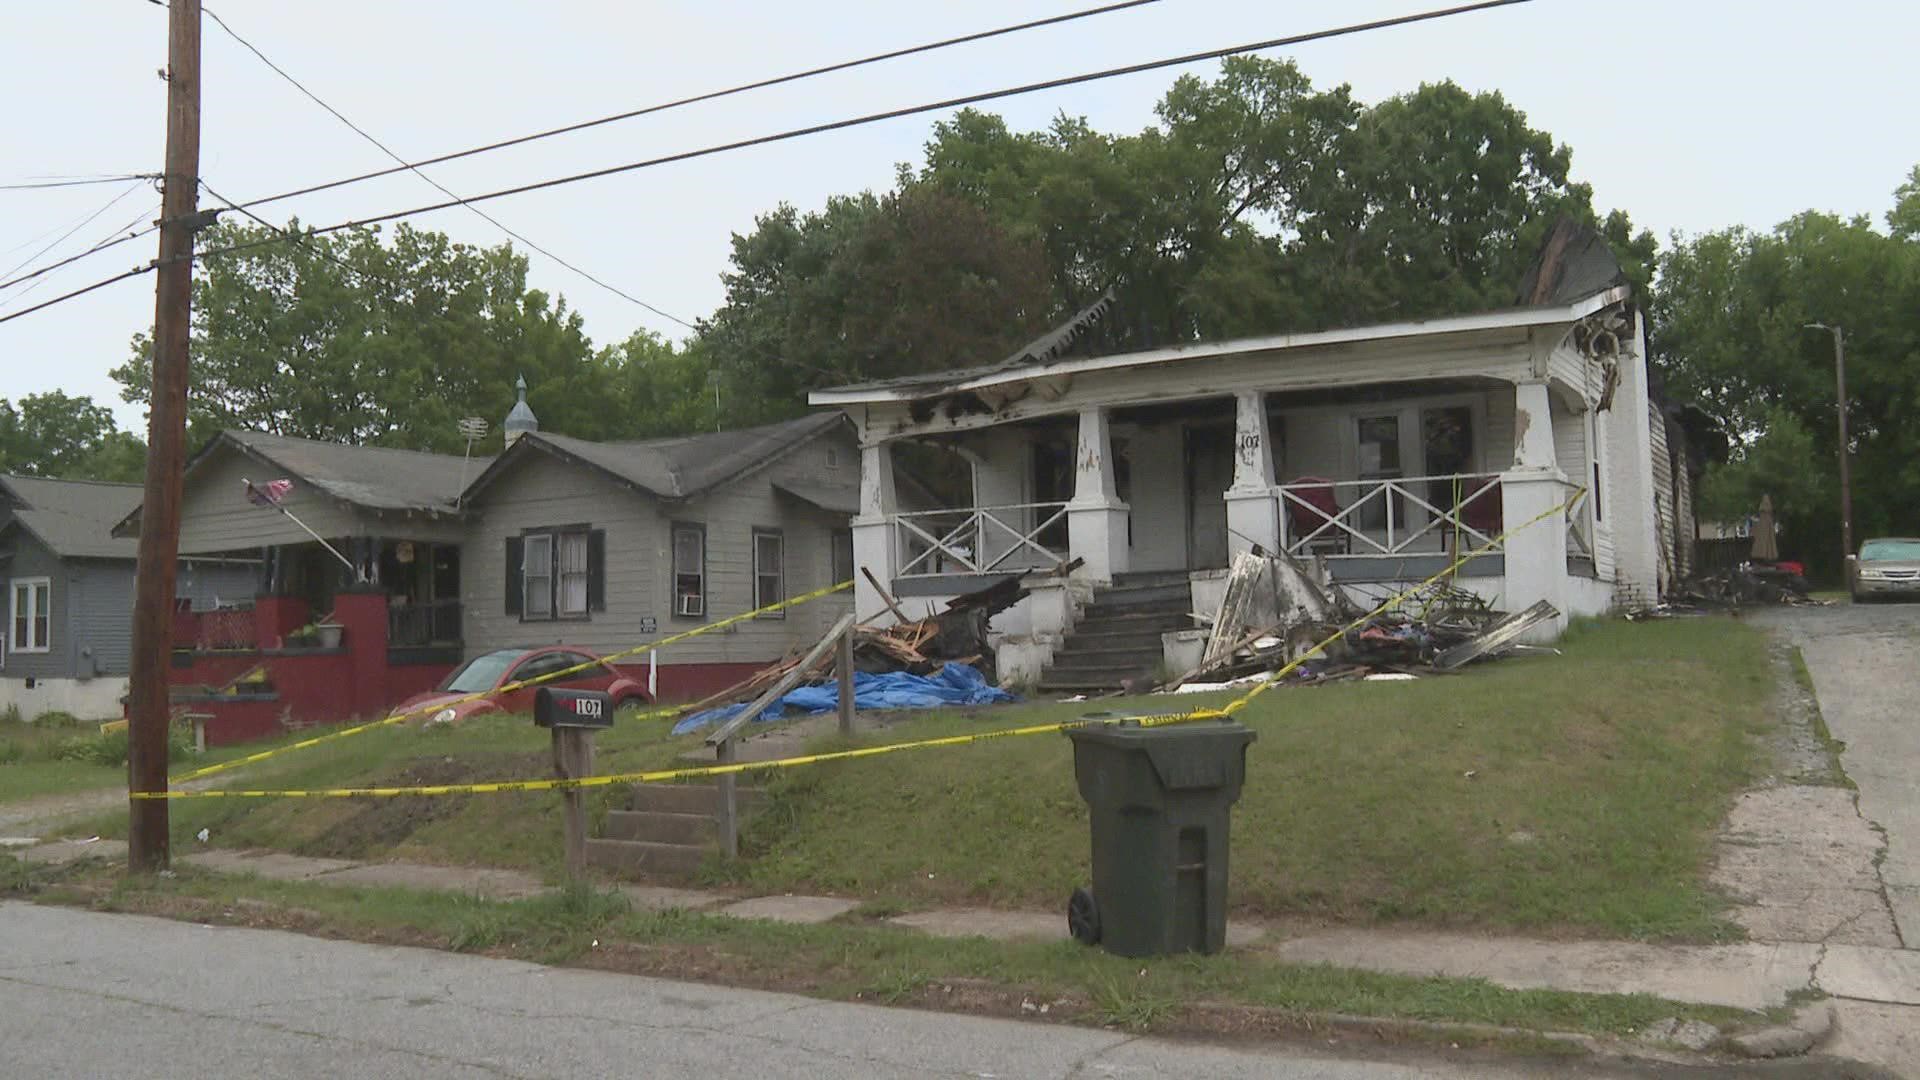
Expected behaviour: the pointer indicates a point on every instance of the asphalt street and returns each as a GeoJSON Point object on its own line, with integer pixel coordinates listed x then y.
{"type": "Point", "coordinates": [85, 994]}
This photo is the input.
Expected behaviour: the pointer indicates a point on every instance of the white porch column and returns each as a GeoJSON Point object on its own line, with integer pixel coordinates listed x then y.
{"type": "Point", "coordinates": [1252, 510]}
{"type": "Point", "coordinates": [1096, 518]}
{"type": "Point", "coordinates": [1535, 551]}
{"type": "Point", "coordinates": [1627, 500]}
{"type": "Point", "coordinates": [873, 529]}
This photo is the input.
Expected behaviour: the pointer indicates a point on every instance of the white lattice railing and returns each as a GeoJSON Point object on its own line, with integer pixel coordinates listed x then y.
{"type": "Point", "coordinates": [978, 540]}
{"type": "Point", "coordinates": [1403, 515]}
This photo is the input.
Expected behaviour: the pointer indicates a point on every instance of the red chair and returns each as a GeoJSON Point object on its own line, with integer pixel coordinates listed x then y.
{"type": "Point", "coordinates": [1482, 511]}
{"type": "Point", "coordinates": [1321, 507]}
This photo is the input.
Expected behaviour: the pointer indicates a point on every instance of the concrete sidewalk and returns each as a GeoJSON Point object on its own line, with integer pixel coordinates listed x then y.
{"type": "Point", "coordinates": [1876, 990]}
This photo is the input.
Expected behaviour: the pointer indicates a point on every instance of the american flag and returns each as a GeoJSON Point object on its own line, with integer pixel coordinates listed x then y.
{"type": "Point", "coordinates": [269, 493]}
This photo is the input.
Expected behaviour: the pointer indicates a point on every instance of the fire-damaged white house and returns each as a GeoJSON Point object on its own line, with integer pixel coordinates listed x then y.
{"type": "Point", "coordinates": [1385, 450]}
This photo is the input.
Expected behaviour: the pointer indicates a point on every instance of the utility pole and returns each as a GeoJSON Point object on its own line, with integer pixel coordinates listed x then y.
{"type": "Point", "coordinates": [149, 717]}
{"type": "Point", "coordinates": [1846, 455]}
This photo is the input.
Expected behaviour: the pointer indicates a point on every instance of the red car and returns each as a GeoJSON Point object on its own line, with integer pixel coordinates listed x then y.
{"type": "Point", "coordinates": [488, 673]}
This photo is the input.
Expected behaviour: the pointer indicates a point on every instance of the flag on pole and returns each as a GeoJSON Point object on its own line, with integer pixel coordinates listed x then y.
{"type": "Point", "coordinates": [269, 493]}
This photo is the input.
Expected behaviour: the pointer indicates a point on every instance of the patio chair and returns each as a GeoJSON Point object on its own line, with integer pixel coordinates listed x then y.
{"type": "Point", "coordinates": [1482, 511]}
{"type": "Point", "coordinates": [1321, 507]}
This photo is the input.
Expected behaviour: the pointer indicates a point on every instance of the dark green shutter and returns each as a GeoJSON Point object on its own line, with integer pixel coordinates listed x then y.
{"type": "Point", "coordinates": [514, 586]}
{"type": "Point", "coordinates": [597, 570]}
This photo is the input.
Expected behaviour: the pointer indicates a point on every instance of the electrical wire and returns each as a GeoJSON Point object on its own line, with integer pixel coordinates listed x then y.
{"type": "Point", "coordinates": [102, 246]}
{"type": "Point", "coordinates": [404, 165]}
{"type": "Point", "coordinates": [914, 110]}
{"type": "Point", "coordinates": [38, 185]}
{"type": "Point", "coordinates": [84, 222]}
{"type": "Point", "coordinates": [713, 95]}
{"type": "Point", "coordinates": [109, 240]}
{"type": "Point", "coordinates": [970, 99]}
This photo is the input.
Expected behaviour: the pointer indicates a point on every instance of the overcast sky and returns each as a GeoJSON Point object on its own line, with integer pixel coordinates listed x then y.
{"type": "Point", "coordinates": [1691, 116]}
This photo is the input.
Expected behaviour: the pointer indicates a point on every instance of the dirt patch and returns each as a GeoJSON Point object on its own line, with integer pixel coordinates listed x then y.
{"type": "Point", "coordinates": [379, 825]}
{"type": "Point", "coordinates": [1799, 748]}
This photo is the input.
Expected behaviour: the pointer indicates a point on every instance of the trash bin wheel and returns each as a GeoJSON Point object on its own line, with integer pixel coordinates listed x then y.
{"type": "Point", "coordinates": [1083, 917]}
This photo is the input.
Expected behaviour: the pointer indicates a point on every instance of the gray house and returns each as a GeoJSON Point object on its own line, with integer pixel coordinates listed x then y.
{"type": "Point", "coordinates": [605, 546]}
{"type": "Point", "coordinates": [608, 545]}
{"type": "Point", "coordinates": [69, 598]}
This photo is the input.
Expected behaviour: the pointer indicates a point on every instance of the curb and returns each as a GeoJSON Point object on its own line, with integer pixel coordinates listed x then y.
{"type": "Point", "coordinates": [1810, 1027]}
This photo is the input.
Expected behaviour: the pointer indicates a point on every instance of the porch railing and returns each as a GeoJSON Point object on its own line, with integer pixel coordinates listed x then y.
{"type": "Point", "coordinates": [1397, 516]}
{"type": "Point", "coordinates": [433, 622]}
{"type": "Point", "coordinates": [977, 540]}
{"type": "Point", "coordinates": [222, 628]}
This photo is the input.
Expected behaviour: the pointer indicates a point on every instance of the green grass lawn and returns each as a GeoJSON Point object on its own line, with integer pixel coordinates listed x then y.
{"type": "Point", "coordinates": [851, 959]}
{"type": "Point", "coordinates": [1574, 794]}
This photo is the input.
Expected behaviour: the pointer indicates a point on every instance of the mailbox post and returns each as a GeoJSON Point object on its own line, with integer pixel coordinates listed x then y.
{"type": "Point", "coordinates": [573, 716]}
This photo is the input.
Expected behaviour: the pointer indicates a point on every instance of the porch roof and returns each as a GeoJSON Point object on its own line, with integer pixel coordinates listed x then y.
{"type": "Point", "coordinates": [1025, 365]}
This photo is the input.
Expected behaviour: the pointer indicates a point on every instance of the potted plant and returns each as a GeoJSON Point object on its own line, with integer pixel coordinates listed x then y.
{"type": "Point", "coordinates": [306, 637]}
{"type": "Point", "coordinates": [329, 634]}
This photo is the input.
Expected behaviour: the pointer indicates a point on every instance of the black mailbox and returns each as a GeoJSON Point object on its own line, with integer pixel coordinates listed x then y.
{"type": "Point", "coordinates": [572, 708]}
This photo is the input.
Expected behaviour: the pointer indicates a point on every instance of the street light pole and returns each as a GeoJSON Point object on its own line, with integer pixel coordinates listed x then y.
{"type": "Point", "coordinates": [1846, 479]}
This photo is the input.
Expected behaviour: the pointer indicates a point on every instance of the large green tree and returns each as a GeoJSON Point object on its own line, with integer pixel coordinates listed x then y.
{"type": "Point", "coordinates": [362, 337]}
{"type": "Point", "coordinates": [869, 287]}
{"type": "Point", "coordinates": [1259, 204]}
{"type": "Point", "coordinates": [66, 437]}
{"type": "Point", "coordinates": [1730, 332]}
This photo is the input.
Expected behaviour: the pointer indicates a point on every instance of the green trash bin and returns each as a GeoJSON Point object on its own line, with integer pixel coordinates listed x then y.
{"type": "Point", "coordinates": [1159, 799]}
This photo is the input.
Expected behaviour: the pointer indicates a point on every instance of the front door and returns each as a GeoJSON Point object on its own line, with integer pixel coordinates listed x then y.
{"type": "Point", "coordinates": [1209, 454]}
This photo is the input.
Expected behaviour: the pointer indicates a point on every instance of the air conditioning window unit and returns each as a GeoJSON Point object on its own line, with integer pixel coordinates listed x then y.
{"type": "Point", "coordinates": [692, 604]}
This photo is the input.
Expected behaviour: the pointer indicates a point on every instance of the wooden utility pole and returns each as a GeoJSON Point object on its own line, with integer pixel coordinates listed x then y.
{"type": "Point", "coordinates": [1846, 449]}
{"type": "Point", "coordinates": [166, 445]}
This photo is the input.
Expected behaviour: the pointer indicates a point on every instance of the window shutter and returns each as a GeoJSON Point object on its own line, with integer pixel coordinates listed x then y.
{"type": "Point", "coordinates": [513, 575]}
{"type": "Point", "coordinates": [597, 570]}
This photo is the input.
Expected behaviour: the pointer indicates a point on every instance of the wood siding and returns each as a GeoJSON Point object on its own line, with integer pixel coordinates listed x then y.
{"type": "Point", "coordinates": [544, 492]}
{"type": "Point", "coordinates": [31, 560]}
{"type": "Point", "coordinates": [215, 515]}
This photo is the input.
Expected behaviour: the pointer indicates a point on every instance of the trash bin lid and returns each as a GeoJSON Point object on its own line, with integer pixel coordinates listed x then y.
{"type": "Point", "coordinates": [1198, 754]}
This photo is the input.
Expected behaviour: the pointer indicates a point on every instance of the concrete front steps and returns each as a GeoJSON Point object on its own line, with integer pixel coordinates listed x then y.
{"type": "Point", "coordinates": [1118, 636]}
{"type": "Point", "coordinates": [667, 831]}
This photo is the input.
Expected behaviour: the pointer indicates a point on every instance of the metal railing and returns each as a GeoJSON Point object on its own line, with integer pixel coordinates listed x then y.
{"type": "Point", "coordinates": [431, 622]}
{"type": "Point", "coordinates": [978, 540]}
{"type": "Point", "coordinates": [224, 628]}
{"type": "Point", "coordinates": [1397, 516]}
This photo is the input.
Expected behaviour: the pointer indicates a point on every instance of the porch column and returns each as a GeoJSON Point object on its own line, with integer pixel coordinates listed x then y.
{"type": "Point", "coordinates": [1096, 518]}
{"type": "Point", "coordinates": [873, 529]}
{"type": "Point", "coordinates": [1535, 551]}
{"type": "Point", "coordinates": [1252, 512]}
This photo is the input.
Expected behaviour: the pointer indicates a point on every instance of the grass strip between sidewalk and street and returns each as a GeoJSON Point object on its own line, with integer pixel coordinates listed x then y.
{"type": "Point", "coordinates": [1242, 989]}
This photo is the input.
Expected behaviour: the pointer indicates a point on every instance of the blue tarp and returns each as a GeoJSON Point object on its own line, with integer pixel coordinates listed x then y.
{"type": "Point", "coordinates": [954, 684]}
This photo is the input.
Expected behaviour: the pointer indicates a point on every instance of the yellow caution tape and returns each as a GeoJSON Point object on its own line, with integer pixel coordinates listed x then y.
{"type": "Point", "coordinates": [398, 718]}
{"type": "Point", "coordinates": [696, 772]}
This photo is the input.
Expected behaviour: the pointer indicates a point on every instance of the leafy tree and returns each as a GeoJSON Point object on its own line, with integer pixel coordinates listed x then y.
{"type": "Point", "coordinates": [1730, 328]}
{"type": "Point", "coordinates": [1259, 204]}
{"type": "Point", "coordinates": [66, 437]}
{"type": "Point", "coordinates": [348, 338]}
{"type": "Point", "coordinates": [869, 287]}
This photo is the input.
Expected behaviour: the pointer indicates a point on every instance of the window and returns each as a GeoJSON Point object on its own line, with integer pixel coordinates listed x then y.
{"type": "Point", "coordinates": [833, 457]}
{"type": "Point", "coordinates": [689, 570]}
{"type": "Point", "coordinates": [557, 573]}
{"type": "Point", "coordinates": [1380, 460]}
{"type": "Point", "coordinates": [841, 557]}
{"type": "Point", "coordinates": [571, 557]}
{"type": "Point", "coordinates": [769, 570]}
{"type": "Point", "coordinates": [536, 577]}
{"type": "Point", "coordinates": [30, 626]}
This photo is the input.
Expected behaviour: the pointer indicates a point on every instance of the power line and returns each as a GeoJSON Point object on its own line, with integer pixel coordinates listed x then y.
{"type": "Point", "coordinates": [761, 84]}
{"type": "Point", "coordinates": [102, 246]}
{"type": "Point", "coordinates": [84, 222]}
{"type": "Point", "coordinates": [79, 182]}
{"type": "Point", "coordinates": [105, 242]}
{"type": "Point", "coordinates": [990, 95]}
{"type": "Point", "coordinates": [442, 188]}
{"type": "Point", "coordinates": [912, 110]}
{"type": "Point", "coordinates": [101, 284]}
